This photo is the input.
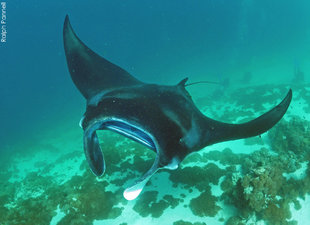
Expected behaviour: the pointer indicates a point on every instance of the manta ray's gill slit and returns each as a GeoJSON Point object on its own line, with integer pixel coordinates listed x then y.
{"type": "Point", "coordinates": [130, 131]}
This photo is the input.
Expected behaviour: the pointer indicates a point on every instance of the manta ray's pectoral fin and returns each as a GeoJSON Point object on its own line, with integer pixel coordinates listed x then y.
{"type": "Point", "coordinates": [93, 151]}
{"type": "Point", "coordinates": [91, 73]}
{"type": "Point", "coordinates": [224, 132]}
{"type": "Point", "coordinates": [134, 190]}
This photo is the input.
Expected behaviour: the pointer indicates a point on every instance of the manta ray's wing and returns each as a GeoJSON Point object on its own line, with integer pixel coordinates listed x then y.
{"type": "Point", "coordinates": [220, 132]}
{"type": "Point", "coordinates": [93, 76]}
{"type": "Point", "coordinates": [91, 73]}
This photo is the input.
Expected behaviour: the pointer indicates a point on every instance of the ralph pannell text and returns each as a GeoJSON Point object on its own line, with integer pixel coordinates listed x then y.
{"type": "Point", "coordinates": [3, 22]}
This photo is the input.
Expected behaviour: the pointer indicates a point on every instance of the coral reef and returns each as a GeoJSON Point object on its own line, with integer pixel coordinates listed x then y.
{"type": "Point", "coordinates": [225, 157]}
{"type": "Point", "coordinates": [182, 222]}
{"type": "Point", "coordinates": [147, 205]}
{"type": "Point", "coordinates": [291, 136]}
{"type": "Point", "coordinates": [234, 220]}
{"type": "Point", "coordinates": [80, 198]}
{"type": "Point", "coordinates": [173, 202]}
{"type": "Point", "coordinates": [198, 177]}
{"type": "Point", "coordinates": [262, 189]}
{"type": "Point", "coordinates": [204, 204]}
{"type": "Point", "coordinates": [193, 158]}
{"type": "Point", "coordinates": [85, 201]}
{"type": "Point", "coordinates": [256, 184]}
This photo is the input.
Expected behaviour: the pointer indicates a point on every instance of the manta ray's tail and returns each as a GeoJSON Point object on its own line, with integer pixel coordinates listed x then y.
{"type": "Point", "coordinates": [224, 132]}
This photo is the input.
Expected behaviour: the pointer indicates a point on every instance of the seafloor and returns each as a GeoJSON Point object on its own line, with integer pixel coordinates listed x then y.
{"type": "Point", "coordinates": [261, 180]}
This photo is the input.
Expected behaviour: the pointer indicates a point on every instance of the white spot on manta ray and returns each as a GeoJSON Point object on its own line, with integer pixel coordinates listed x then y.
{"type": "Point", "coordinates": [131, 195]}
{"type": "Point", "coordinates": [133, 192]}
{"type": "Point", "coordinates": [174, 117]}
{"type": "Point", "coordinates": [192, 137]}
{"type": "Point", "coordinates": [174, 164]}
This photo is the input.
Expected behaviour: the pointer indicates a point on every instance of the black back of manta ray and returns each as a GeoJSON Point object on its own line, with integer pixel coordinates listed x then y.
{"type": "Point", "coordinates": [91, 73]}
{"type": "Point", "coordinates": [163, 118]}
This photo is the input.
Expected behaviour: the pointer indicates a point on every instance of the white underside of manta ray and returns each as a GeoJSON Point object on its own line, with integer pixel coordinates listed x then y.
{"type": "Point", "coordinates": [161, 117]}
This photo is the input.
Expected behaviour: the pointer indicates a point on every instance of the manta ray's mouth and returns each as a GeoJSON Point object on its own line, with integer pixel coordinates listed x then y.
{"type": "Point", "coordinates": [135, 133]}
{"type": "Point", "coordinates": [95, 157]}
{"type": "Point", "coordinates": [141, 136]}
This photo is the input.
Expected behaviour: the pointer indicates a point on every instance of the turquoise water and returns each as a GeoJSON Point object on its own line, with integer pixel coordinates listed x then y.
{"type": "Point", "coordinates": [257, 50]}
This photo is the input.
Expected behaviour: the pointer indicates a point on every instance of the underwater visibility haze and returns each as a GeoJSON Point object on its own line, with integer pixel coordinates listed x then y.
{"type": "Point", "coordinates": [195, 87]}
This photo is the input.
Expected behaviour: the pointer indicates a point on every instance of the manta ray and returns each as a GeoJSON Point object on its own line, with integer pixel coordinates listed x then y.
{"type": "Point", "coordinates": [163, 118]}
